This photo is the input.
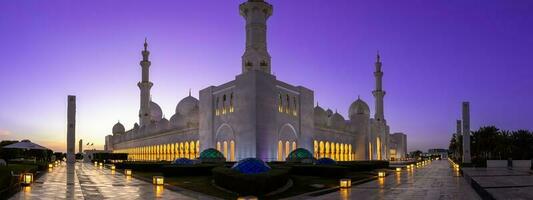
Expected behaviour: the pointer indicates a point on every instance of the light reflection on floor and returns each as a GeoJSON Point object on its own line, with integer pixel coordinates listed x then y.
{"type": "Point", "coordinates": [85, 181]}
{"type": "Point", "coordinates": [435, 180]}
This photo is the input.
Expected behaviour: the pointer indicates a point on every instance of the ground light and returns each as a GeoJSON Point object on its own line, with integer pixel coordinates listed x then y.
{"type": "Point", "coordinates": [95, 164]}
{"type": "Point", "coordinates": [50, 165]}
{"type": "Point", "coordinates": [100, 164]}
{"type": "Point", "coordinates": [27, 178]}
{"type": "Point", "coordinates": [398, 169]}
{"type": "Point", "coordinates": [381, 174]}
{"type": "Point", "coordinates": [345, 183]}
{"type": "Point", "coordinates": [112, 167]}
{"type": "Point", "coordinates": [128, 172]}
{"type": "Point", "coordinates": [158, 180]}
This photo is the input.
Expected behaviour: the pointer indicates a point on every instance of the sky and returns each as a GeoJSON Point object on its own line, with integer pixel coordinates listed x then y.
{"type": "Point", "coordinates": [435, 55]}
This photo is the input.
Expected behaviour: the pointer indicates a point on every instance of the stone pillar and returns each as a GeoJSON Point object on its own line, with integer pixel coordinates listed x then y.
{"type": "Point", "coordinates": [466, 132]}
{"type": "Point", "coordinates": [71, 129]}
{"type": "Point", "coordinates": [80, 146]}
{"type": "Point", "coordinates": [458, 132]}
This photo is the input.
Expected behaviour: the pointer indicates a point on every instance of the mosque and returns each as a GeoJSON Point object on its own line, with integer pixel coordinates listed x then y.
{"type": "Point", "coordinates": [257, 115]}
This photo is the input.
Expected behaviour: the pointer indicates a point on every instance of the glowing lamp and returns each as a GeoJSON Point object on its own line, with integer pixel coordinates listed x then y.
{"type": "Point", "coordinates": [247, 198]}
{"type": "Point", "coordinates": [381, 174]}
{"type": "Point", "coordinates": [128, 172]}
{"type": "Point", "coordinates": [101, 164]}
{"type": "Point", "coordinates": [158, 180]}
{"type": "Point", "coordinates": [398, 169]}
{"type": "Point", "coordinates": [112, 167]}
{"type": "Point", "coordinates": [27, 178]}
{"type": "Point", "coordinates": [408, 166]}
{"type": "Point", "coordinates": [412, 165]}
{"type": "Point", "coordinates": [50, 165]}
{"type": "Point", "coordinates": [345, 183]}
{"type": "Point", "coordinates": [95, 163]}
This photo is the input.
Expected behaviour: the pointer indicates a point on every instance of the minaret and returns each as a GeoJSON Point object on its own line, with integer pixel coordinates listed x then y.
{"type": "Point", "coordinates": [378, 92]}
{"type": "Point", "coordinates": [256, 57]}
{"type": "Point", "coordinates": [144, 86]}
{"type": "Point", "coordinates": [466, 132]}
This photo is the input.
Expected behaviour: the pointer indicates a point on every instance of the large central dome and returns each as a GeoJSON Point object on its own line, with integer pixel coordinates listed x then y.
{"type": "Point", "coordinates": [186, 105]}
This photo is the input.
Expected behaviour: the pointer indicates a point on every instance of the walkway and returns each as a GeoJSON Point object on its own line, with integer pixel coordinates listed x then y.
{"type": "Point", "coordinates": [434, 181]}
{"type": "Point", "coordinates": [85, 181]}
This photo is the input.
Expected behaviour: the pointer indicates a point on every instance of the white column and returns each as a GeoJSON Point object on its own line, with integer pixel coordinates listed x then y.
{"type": "Point", "coordinates": [71, 129]}
{"type": "Point", "coordinates": [466, 132]}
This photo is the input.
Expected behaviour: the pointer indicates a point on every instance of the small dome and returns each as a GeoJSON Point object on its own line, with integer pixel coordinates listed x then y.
{"type": "Point", "coordinates": [336, 121]}
{"type": "Point", "coordinates": [183, 161]}
{"type": "Point", "coordinates": [299, 155]}
{"type": "Point", "coordinates": [177, 121]}
{"type": "Point", "coordinates": [326, 161]}
{"type": "Point", "coordinates": [135, 126]}
{"type": "Point", "coordinates": [251, 166]}
{"type": "Point", "coordinates": [118, 128]}
{"type": "Point", "coordinates": [164, 124]}
{"type": "Point", "coordinates": [358, 107]}
{"type": "Point", "coordinates": [193, 117]}
{"type": "Point", "coordinates": [212, 155]}
{"type": "Point", "coordinates": [329, 112]}
{"type": "Point", "coordinates": [155, 111]}
{"type": "Point", "coordinates": [320, 116]}
{"type": "Point", "coordinates": [186, 105]}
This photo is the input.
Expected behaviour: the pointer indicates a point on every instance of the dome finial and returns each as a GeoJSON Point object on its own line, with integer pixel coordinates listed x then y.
{"type": "Point", "coordinates": [189, 91]}
{"type": "Point", "coordinates": [145, 44]}
{"type": "Point", "coordinates": [378, 58]}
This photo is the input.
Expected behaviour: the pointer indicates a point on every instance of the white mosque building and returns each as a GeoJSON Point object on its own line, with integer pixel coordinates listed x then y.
{"type": "Point", "coordinates": [257, 115]}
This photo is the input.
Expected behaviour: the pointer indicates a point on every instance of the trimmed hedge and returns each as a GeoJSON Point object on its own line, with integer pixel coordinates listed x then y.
{"type": "Point", "coordinates": [142, 166]}
{"type": "Point", "coordinates": [9, 184]}
{"type": "Point", "coordinates": [250, 184]}
{"type": "Point", "coordinates": [188, 170]}
{"type": "Point", "coordinates": [364, 165]}
{"type": "Point", "coordinates": [100, 157]}
{"type": "Point", "coordinates": [332, 171]}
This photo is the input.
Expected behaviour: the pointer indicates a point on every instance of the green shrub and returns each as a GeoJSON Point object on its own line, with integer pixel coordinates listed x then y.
{"type": "Point", "coordinates": [188, 170]}
{"type": "Point", "coordinates": [319, 170]}
{"type": "Point", "coordinates": [142, 166]}
{"type": "Point", "coordinates": [250, 184]}
{"type": "Point", "coordinates": [106, 157]}
{"type": "Point", "coordinates": [364, 165]}
{"type": "Point", "coordinates": [9, 183]}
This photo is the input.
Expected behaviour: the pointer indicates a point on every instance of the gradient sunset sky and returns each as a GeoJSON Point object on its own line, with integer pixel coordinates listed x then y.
{"type": "Point", "coordinates": [435, 55]}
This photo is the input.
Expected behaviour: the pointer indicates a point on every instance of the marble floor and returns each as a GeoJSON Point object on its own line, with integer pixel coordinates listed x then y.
{"type": "Point", "coordinates": [436, 180]}
{"type": "Point", "coordinates": [502, 183]}
{"type": "Point", "coordinates": [85, 181]}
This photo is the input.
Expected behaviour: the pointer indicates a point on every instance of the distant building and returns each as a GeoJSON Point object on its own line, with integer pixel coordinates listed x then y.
{"type": "Point", "coordinates": [256, 115]}
{"type": "Point", "coordinates": [443, 153]}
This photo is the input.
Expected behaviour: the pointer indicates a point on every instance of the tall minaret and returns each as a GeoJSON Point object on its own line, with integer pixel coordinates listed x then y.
{"type": "Point", "coordinates": [144, 86]}
{"type": "Point", "coordinates": [378, 92]}
{"type": "Point", "coordinates": [256, 57]}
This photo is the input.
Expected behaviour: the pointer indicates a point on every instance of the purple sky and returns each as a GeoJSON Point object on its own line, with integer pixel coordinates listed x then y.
{"type": "Point", "coordinates": [435, 55]}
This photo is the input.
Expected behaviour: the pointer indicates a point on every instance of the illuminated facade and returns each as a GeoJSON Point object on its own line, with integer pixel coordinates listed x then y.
{"type": "Point", "coordinates": [254, 115]}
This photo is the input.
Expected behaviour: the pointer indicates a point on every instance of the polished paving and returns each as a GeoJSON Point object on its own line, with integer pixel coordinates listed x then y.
{"type": "Point", "coordinates": [85, 181]}
{"type": "Point", "coordinates": [502, 183]}
{"type": "Point", "coordinates": [436, 180]}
